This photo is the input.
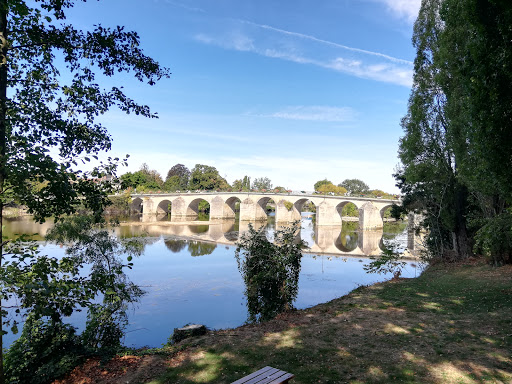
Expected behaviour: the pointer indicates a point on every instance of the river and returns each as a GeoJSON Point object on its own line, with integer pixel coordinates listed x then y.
{"type": "Point", "coordinates": [190, 274]}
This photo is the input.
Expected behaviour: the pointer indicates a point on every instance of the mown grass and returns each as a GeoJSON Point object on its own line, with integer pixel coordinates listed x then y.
{"type": "Point", "coordinates": [450, 325]}
{"type": "Point", "coordinates": [453, 324]}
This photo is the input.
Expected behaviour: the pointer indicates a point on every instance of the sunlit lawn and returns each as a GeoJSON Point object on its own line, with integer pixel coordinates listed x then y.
{"type": "Point", "coordinates": [451, 325]}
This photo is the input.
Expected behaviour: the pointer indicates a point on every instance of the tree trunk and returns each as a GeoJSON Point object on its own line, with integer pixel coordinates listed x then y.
{"type": "Point", "coordinates": [461, 243]}
{"type": "Point", "coordinates": [3, 141]}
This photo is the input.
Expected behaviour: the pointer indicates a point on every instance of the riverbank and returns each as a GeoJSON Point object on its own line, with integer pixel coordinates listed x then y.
{"type": "Point", "coordinates": [13, 212]}
{"type": "Point", "coordinates": [450, 325]}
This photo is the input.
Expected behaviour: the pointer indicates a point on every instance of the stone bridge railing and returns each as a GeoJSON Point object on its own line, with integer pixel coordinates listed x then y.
{"type": "Point", "coordinates": [184, 206]}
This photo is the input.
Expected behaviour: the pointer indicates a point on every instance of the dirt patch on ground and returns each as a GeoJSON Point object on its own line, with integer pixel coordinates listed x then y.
{"type": "Point", "coordinates": [119, 370]}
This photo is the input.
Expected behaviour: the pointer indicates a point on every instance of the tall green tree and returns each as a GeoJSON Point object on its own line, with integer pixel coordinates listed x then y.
{"type": "Point", "coordinates": [354, 186]}
{"type": "Point", "coordinates": [132, 180]}
{"type": "Point", "coordinates": [237, 185]}
{"type": "Point", "coordinates": [151, 175]}
{"type": "Point", "coordinates": [475, 61]}
{"type": "Point", "coordinates": [319, 183]}
{"type": "Point", "coordinates": [49, 103]}
{"type": "Point", "coordinates": [177, 178]}
{"type": "Point", "coordinates": [455, 153]}
{"type": "Point", "coordinates": [143, 179]}
{"type": "Point", "coordinates": [429, 178]}
{"type": "Point", "coordinates": [206, 177]}
{"type": "Point", "coordinates": [261, 183]}
{"type": "Point", "coordinates": [246, 183]}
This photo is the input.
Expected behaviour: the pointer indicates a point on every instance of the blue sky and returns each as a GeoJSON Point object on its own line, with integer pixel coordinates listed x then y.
{"type": "Point", "coordinates": [296, 91]}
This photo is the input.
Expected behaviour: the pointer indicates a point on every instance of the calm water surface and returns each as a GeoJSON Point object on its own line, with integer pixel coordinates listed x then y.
{"type": "Point", "coordinates": [191, 281]}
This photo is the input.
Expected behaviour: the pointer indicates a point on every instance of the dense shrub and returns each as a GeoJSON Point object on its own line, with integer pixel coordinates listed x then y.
{"type": "Point", "coordinates": [270, 270]}
{"type": "Point", "coordinates": [44, 351]}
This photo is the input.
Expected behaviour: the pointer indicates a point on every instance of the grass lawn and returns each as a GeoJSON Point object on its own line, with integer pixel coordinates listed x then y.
{"type": "Point", "coordinates": [451, 325]}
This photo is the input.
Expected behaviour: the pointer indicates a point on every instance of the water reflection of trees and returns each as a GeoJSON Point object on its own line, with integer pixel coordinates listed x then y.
{"type": "Point", "coordinates": [391, 229]}
{"type": "Point", "coordinates": [198, 228]}
{"type": "Point", "coordinates": [348, 239]}
{"type": "Point", "coordinates": [199, 248]}
{"type": "Point", "coordinates": [195, 248]}
{"type": "Point", "coordinates": [175, 246]}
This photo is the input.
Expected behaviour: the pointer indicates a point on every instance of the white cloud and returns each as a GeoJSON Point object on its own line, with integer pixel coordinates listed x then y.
{"type": "Point", "coordinates": [315, 113]}
{"type": "Point", "coordinates": [234, 40]}
{"type": "Point", "coordinates": [404, 9]}
{"type": "Point", "coordinates": [242, 43]}
{"type": "Point", "coordinates": [326, 42]}
{"type": "Point", "coordinates": [384, 72]}
{"type": "Point", "coordinates": [304, 49]}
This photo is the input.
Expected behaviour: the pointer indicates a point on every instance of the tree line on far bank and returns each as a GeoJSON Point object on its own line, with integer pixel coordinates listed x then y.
{"type": "Point", "coordinates": [207, 178]}
{"type": "Point", "coordinates": [351, 187]}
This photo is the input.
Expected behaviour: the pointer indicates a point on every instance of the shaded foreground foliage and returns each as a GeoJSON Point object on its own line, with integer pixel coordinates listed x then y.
{"type": "Point", "coordinates": [450, 325]}
{"type": "Point", "coordinates": [89, 277]}
{"type": "Point", "coordinates": [50, 102]}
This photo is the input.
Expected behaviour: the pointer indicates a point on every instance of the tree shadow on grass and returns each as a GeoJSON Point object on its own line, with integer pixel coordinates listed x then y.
{"type": "Point", "coordinates": [442, 328]}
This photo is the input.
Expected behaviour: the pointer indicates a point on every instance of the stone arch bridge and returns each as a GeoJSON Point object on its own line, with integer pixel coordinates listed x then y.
{"type": "Point", "coordinates": [184, 206]}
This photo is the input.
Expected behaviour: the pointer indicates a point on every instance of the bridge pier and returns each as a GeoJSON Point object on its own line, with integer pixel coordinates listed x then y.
{"type": "Point", "coordinates": [370, 217]}
{"type": "Point", "coordinates": [149, 218]}
{"type": "Point", "coordinates": [252, 211]}
{"type": "Point", "coordinates": [327, 214]}
{"type": "Point", "coordinates": [283, 215]}
{"type": "Point", "coordinates": [148, 206]}
{"type": "Point", "coordinates": [217, 209]}
{"type": "Point", "coordinates": [181, 211]}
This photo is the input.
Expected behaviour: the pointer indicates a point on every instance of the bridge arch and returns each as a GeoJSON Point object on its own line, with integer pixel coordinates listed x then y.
{"type": "Point", "coordinates": [348, 209]}
{"type": "Point", "coordinates": [164, 207]}
{"type": "Point", "coordinates": [193, 208]}
{"type": "Point", "coordinates": [261, 207]}
{"type": "Point", "coordinates": [384, 209]}
{"type": "Point", "coordinates": [137, 205]}
{"type": "Point", "coordinates": [299, 204]}
{"type": "Point", "coordinates": [299, 207]}
{"type": "Point", "coordinates": [231, 207]}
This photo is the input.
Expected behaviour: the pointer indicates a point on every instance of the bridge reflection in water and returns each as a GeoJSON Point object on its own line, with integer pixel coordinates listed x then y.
{"type": "Point", "coordinates": [345, 240]}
